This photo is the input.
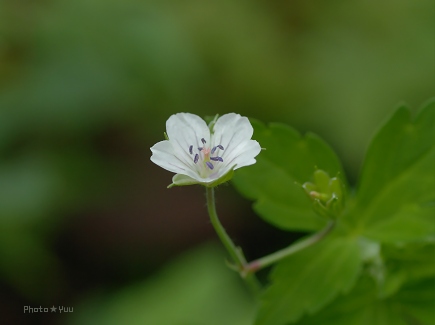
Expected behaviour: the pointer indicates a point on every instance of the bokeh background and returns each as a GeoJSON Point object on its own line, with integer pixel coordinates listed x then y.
{"type": "Point", "coordinates": [86, 86]}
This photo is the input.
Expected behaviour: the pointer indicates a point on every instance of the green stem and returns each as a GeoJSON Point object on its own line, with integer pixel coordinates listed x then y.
{"type": "Point", "coordinates": [265, 261]}
{"type": "Point", "coordinates": [235, 252]}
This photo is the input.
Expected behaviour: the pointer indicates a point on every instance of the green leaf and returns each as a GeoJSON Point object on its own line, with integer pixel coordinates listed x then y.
{"type": "Point", "coordinates": [288, 159]}
{"type": "Point", "coordinates": [195, 289]}
{"type": "Point", "coordinates": [413, 305]}
{"type": "Point", "coordinates": [416, 261]}
{"type": "Point", "coordinates": [308, 280]}
{"type": "Point", "coordinates": [359, 307]}
{"type": "Point", "coordinates": [396, 194]}
{"type": "Point", "coordinates": [399, 265]}
{"type": "Point", "coordinates": [417, 301]}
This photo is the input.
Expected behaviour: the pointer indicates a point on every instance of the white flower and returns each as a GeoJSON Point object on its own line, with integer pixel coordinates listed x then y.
{"type": "Point", "coordinates": [203, 155]}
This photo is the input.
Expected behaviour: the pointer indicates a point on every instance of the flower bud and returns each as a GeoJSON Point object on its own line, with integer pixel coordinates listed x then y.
{"type": "Point", "coordinates": [326, 193]}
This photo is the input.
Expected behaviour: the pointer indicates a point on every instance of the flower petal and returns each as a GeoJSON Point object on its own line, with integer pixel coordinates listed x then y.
{"type": "Point", "coordinates": [187, 129]}
{"type": "Point", "coordinates": [244, 154]}
{"type": "Point", "coordinates": [165, 156]}
{"type": "Point", "coordinates": [230, 131]}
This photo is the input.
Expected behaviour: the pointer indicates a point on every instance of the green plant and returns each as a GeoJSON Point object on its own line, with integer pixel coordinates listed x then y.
{"type": "Point", "coordinates": [371, 257]}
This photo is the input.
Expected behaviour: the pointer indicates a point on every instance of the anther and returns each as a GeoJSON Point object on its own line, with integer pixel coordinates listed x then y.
{"type": "Point", "coordinates": [214, 148]}
{"type": "Point", "coordinates": [209, 164]}
{"type": "Point", "coordinates": [196, 158]}
{"type": "Point", "coordinates": [190, 149]}
{"type": "Point", "coordinates": [203, 141]}
{"type": "Point", "coordinates": [217, 159]}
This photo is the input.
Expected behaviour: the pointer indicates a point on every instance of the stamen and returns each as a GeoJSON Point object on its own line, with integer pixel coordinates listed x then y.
{"type": "Point", "coordinates": [214, 148]}
{"type": "Point", "coordinates": [190, 149]}
{"type": "Point", "coordinates": [203, 141]}
{"type": "Point", "coordinates": [209, 164]}
{"type": "Point", "coordinates": [200, 149]}
{"type": "Point", "coordinates": [217, 159]}
{"type": "Point", "coordinates": [196, 158]}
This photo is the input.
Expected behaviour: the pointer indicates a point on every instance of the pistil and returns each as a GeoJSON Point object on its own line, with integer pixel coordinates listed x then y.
{"type": "Point", "coordinates": [206, 152]}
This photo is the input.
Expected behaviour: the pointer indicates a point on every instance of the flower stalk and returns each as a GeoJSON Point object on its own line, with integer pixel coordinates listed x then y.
{"type": "Point", "coordinates": [236, 253]}
{"type": "Point", "coordinates": [245, 269]}
{"type": "Point", "coordinates": [268, 260]}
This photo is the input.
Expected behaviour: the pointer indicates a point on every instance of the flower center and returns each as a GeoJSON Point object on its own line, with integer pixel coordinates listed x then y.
{"type": "Point", "coordinates": [204, 153]}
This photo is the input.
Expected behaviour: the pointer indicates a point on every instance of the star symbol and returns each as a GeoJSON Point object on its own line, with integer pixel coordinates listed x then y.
{"type": "Point", "coordinates": [53, 309]}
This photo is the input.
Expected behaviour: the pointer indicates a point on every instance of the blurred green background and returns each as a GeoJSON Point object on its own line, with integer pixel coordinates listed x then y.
{"type": "Point", "coordinates": [86, 86]}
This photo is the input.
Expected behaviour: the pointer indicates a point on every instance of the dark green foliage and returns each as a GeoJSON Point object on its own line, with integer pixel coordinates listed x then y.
{"type": "Point", "coordinates": [386, 229]}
